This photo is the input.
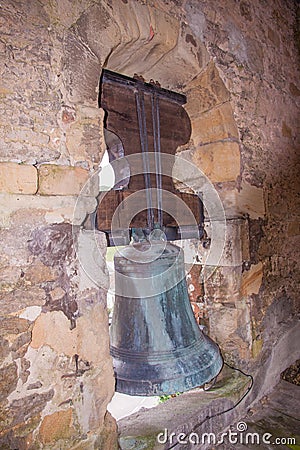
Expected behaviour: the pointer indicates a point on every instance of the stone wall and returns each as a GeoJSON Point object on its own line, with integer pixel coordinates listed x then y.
{"type": "Point", "coordinates": [257, 53]}
{"type": "Point", "coordinates": [56, 372]}
{"type": "Point", "coordinates": [237, 62]}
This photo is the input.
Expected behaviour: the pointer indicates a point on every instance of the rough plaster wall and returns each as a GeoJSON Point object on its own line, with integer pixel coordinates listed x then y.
{"type": "Point", "coordinates": [52, 57]}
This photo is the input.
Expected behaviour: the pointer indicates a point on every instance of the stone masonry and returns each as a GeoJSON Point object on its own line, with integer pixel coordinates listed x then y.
{"type": "Point", "coordinates": [238, 64]}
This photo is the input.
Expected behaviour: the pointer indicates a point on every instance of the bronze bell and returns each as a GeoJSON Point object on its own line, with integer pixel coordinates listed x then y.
{"type": "Point", "coordinates": [156, 344]}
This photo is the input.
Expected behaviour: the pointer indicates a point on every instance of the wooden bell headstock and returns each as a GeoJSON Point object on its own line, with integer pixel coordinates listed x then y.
{"type": "Point", "coordinates": [146, 120]}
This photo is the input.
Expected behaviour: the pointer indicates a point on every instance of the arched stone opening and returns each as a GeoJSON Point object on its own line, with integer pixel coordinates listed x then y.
{"type": "Point", "coordinates": [136, 38]}
{"type": "Point", "coordinates": [139, 39]}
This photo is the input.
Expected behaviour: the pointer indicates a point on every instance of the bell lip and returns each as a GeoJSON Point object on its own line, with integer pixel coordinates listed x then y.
{"type": "Point", "coordinates": [145, 388]}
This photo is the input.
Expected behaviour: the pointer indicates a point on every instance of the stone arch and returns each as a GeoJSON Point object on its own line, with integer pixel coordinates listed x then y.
{"type": "Point", "coordinates": [130, 37]}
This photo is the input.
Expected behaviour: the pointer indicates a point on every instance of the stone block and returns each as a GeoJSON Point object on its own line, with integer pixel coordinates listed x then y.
{"type": "Point", "coordinates": [91, 249]}
{"type": "Point", "coordinates": [20, 344]}
{"type": "Point", "coordinates": [108, 437]}
{"type": "Point", "coordinates": [153, 34]}
{"type": "Point", "coordinates": [109, 29]}
{"type": "Point", "coordinates": [228, 194]}
{"type": "Point", "coordinates": [56, 426]}
{"type": "Point", "coordinates": [22, 438]}
{"type": "Point", "coordinates": [89, 339]}
{"type": "Point", "coordinates": [81, 76]}
{"type": "Point", "coordinates": [63, 340]}
{"type": "Point", "coordinates": [235, 348]}
{"type": "Point", "coordinates": [223, 322]}
{"type": "Point", "coordinates": [223, 286]}
{"type": "Point", "coordinates": [22, 408]}
{"type": "Point", "coordinates": [57, 294]}
{"type": "Point", "coordinates": [189, 53]}
{"type": "Point", "coordinates": [84, 136]}
{"type": "Point", "coordinates": [13, 325]}
{"type": "Point", "coordinates": [225, 248]}
{"type": "Point", "coordinates": [214, 125]}
{"type": "Point", "coordinates": [31, 313]}
{"type": "Point", "coordinates": [255, 55]}
{"type": "Point", "coordinates": [18, 178]}
{"type": "Point", "coordinates": [4, 349]}
{"type": "Point", "coordinates": [232, 253]}
{"type": "Point", "coordinates": [93, 335]}
{"type": "Point", "coordinates": [206, 91]}
{"type": "Point", "coordinates": [61, 180]}
{"type": "Point", "coordinates": [257, 346]}
{"type": "Point", "coordinates": [250, 200]}
{"type": "Point", "coordinates": [30, 136]}
{"type": "Point", "coordinates": [37, 272]}
{"type": "Point", "coordinates": [219, 161]}
{"type": "Point", "coordinates": [8, 380]}
{"type": "Point", "coordinates": [244, 236]}
{"type": "Point", "coordinates": [293, 228]}
{"type": "Point", "coordinates": [55, 209]}
{"type": "Point", "coordinates": [252, 279]}
{"type": "Point", "coordinates": [18, 299]}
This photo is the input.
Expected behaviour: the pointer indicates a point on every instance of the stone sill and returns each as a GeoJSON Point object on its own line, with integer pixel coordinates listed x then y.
{"type": "Point", "coordinates": [180, 414]}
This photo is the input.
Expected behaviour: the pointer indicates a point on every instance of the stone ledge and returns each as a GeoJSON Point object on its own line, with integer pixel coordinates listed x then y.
{"type": "Point", "coordinates": [61, 180]}
{"type": "Point", "coordinates": [18, 178]}
{"type": "Point", "coordinates": [181, 413]}
{"type": "Point", "coordinates": [276, 415]}
{"type": "Point", "coordinates": [56, 209]}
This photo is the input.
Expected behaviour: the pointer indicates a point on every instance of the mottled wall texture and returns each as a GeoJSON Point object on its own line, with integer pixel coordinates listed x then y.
{"type": "Point", "coordinates": [238, 64]}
